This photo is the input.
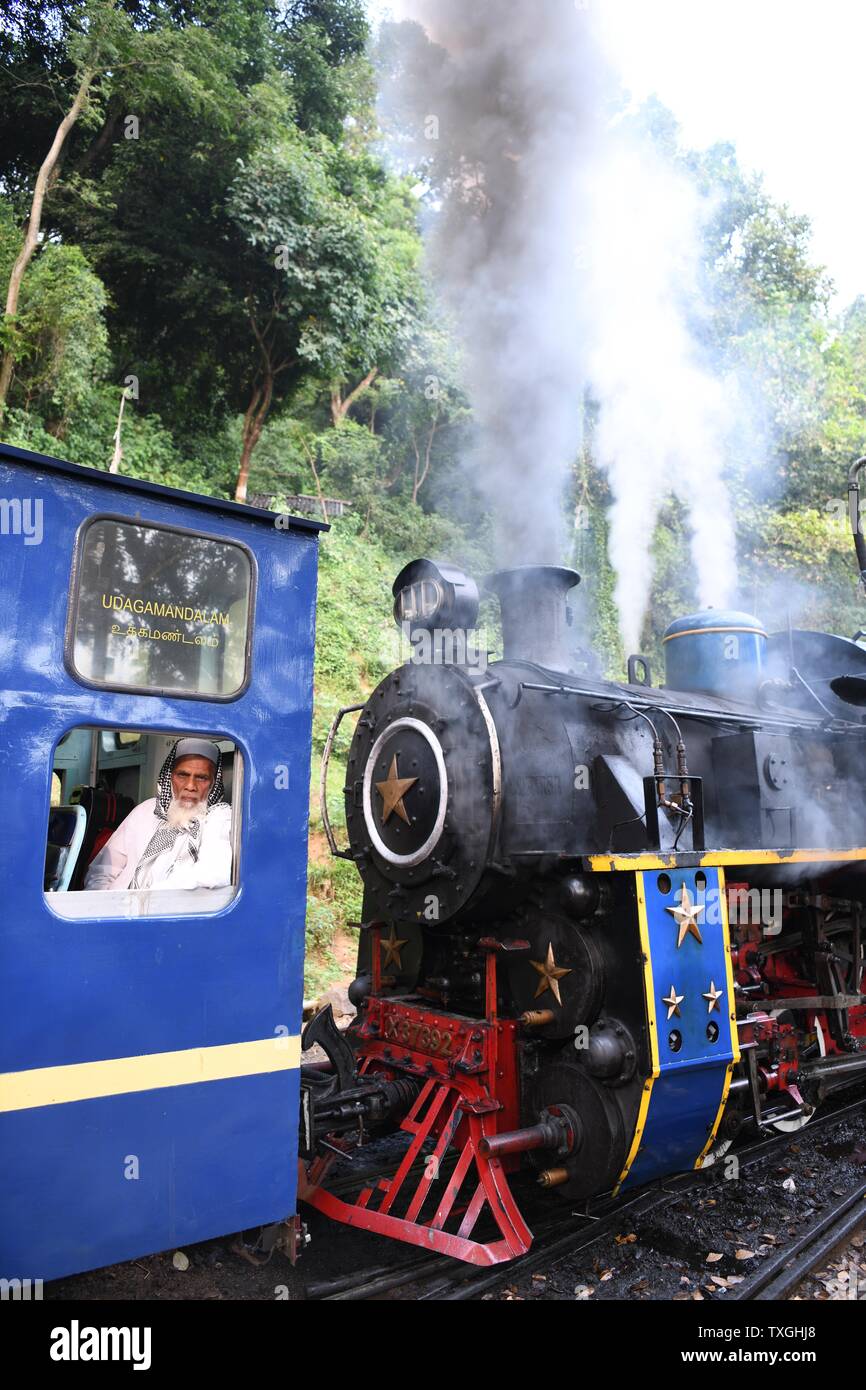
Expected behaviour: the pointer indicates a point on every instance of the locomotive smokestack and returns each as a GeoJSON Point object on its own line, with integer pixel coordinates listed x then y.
{"type": "Point", "coordinates": [536, 620]}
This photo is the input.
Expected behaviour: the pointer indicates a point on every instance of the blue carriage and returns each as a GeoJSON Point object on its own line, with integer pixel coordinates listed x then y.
{"type": "Point", "coordinates": [149, 1037]}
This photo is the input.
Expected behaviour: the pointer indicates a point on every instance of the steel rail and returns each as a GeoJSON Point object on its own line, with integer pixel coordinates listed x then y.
{"type": "Point", "coordinates": [364, 1283]}
{"type": "Point", "coordinates": [786, 1269]}
{"type": "Point", "coordinates": [660, 1196]}
{"type": "Point", "coordinates": [461, 1282]}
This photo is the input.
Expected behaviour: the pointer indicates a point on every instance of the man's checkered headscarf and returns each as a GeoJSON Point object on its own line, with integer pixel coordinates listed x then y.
{"type": "Point", "coordinates": [165, 835]}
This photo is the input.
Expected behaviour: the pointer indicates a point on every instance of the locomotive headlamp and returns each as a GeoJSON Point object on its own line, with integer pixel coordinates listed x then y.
{"type": "Point", "coordinates": [428, 596]}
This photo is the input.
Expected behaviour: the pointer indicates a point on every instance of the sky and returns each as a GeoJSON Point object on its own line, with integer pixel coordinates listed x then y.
{"type": "Point", "coordinates": [780, 79]}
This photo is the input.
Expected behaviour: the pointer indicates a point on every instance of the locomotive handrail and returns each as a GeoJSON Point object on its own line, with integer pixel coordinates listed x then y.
{"type": "Point", "coordinates": [323, 782]}
{"type": "Point", "coordinates": [695, 711]}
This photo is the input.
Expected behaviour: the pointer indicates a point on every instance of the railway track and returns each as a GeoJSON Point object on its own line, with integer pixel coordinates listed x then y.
{"type": "Point", "coordinates": [440, 1278]}
{"type": "Point", "coordinates": [789, 1267]}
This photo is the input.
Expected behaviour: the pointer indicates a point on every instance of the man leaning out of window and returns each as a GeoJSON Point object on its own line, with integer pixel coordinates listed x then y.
{"type": "Point", "coordinates": [181, 838]}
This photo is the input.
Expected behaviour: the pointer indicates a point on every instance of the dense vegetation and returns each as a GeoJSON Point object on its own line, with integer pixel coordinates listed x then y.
{"type": "Point", "coordinates": [213, 282]}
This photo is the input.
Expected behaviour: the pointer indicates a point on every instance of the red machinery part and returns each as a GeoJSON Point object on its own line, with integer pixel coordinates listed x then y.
{"type": "Point", "coordinates": [468, 1069]}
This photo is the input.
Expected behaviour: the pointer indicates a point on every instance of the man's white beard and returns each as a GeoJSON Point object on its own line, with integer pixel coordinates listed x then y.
{"type": "Point", "coordinates": [179, 815]}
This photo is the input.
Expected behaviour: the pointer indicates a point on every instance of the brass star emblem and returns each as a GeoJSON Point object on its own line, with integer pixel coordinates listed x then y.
{"type": "Point", "coordinates": [392, 948]}
{"type": "Point", "coordinates": [712, 997]}
{"type": "Point", "coordinates": [550, 973]}
{"type": "Point", "coordinates": [673, 1001]}
{"type": "Point", "coordinates": [685, 914]}
{"type": "Point", "coordinates": [392, 792]}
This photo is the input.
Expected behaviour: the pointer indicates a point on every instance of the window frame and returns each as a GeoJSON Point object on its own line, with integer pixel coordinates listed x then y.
{"type": "Point", "coordinates": [189, 904]}
{"type": "Point", "coordinates": [167, 691]}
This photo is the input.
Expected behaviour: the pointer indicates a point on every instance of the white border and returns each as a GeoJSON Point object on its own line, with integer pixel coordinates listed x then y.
{"type": "Point", "coordinates": [406, 861]}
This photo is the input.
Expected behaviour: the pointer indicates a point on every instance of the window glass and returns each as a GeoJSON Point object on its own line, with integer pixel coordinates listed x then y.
{"type": "Point", "coordinates": [161, 610]}
{"type": "Point", "coordinates": [117, 741]}
{"type": "Point", "coordinates": [116, 848]}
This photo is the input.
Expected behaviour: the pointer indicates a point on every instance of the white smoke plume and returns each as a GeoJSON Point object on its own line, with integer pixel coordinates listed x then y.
{"type": "Point", "coordinates": [663, 415]}
{"type": "Point", "coordinates": [567, 254]}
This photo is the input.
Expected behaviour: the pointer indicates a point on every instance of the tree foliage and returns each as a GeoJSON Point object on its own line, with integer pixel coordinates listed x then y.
{"type": "Point", "coordinates": [221, 230]}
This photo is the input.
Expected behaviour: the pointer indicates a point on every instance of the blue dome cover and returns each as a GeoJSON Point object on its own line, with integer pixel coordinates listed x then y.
{"type": "Point", "coordinates": [719, 651]}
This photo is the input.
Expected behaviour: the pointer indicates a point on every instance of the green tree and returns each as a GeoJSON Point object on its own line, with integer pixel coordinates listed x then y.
{"type": "Point", "coordinates": [326, 290]}
{"type": "Point", "coordinates": [239, 263]}
{"type": "Point", "coordinates": [110, 59]}
{"type": "Point", "coordinates": [61, 335]}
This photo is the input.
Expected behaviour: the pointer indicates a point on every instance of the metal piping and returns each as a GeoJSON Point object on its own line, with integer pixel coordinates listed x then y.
{"type": "Point", "coordinates": [696, 712]}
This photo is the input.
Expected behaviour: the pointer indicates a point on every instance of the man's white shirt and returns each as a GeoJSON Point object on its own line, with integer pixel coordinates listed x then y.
{"type": "Point", "coordinates": [116, 862]}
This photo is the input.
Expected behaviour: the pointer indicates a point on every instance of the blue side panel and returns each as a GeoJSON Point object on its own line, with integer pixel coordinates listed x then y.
{"type": "Point", "coordinates": [215, 1156]}
{"type": "Point", "coordinates": [148, 1172]}
{"type": "Point", "coordinates": [693, 1065]}
{"type": "Point", "coordinates": [685, 1102]}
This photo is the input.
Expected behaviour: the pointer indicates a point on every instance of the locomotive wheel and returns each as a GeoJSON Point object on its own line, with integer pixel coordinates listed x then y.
{"type": "Point", "coordinates": [564, 955]}
{"type": "Point", "coordinates": [599, 1156]}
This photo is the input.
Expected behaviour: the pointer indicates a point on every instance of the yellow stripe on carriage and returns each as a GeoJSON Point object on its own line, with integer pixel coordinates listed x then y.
{"type": "Point", "coordinates": [732, 1021]}
{"type": "Point", "coordinates": [117, 1076]}
{"type": "Point", "coordinates": [711, 859]}
{"type": "Point", "coordinates": [649, 991]}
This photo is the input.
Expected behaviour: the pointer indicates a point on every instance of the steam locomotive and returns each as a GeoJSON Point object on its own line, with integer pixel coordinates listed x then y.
{"type": "Point", "coordinates": [605, 924]}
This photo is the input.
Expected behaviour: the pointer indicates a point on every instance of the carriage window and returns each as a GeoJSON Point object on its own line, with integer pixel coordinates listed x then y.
{"type": "Point", "coordinates": [144, 827]}
{"type": "Point", "coordinates": [161, 610]}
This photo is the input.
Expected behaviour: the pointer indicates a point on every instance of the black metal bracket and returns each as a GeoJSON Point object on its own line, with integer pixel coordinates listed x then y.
{"type": "Point", "coordinates": [637, 661]}
{"type": "Point", "coordinates": [690, 789]}
{"type": "Point", "coordinates": [322, 1030]}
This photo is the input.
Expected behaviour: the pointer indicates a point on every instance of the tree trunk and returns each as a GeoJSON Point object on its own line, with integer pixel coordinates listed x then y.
{"type": "Point", "coordinates": [421, 477]}
{"type": "Point", "coordinates": [103, 139]}
{"type": "Point", "coordinates": [254, 420]}
{"type": "Point", "coordinates": [114, 466]}
{"type": "Point", "coordinates": [312, 462]}
{"type": "Point", "coordinates": [340, 405]}
{"type": "Point", "coordinates": [31, 237]}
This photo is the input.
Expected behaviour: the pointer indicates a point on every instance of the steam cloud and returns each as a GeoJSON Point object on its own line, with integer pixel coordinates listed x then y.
{"type": "Point", "coordinates": [663, 414]}
{"type": "Point", "coordinates": [568, 256]}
